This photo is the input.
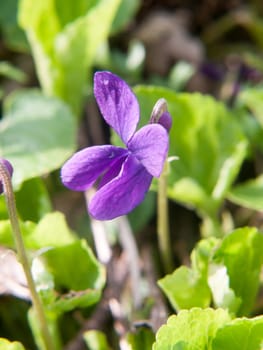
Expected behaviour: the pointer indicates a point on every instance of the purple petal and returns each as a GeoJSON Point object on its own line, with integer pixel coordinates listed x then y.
{"type": "Point", "coordinates": [150, 145]}
{"type": "Point", "coordinates": [117, 104]}
{"type": "Point", "coordinates": [123, 193]}
{"type": "Point", "coordinates": [113, 171]}
{"type": "Point", "coordinates": [166, 121]}
{"type": "Point", "coordinates": [85, 166]}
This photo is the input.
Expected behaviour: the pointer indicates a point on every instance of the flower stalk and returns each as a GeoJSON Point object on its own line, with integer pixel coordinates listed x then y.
{"type": "Point", "coordinates": [163, 222]}
{"type": "Point", "coordinates": [22, 256]}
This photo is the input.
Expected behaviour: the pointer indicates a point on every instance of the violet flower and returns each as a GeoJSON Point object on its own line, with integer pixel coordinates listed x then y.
{"type": "Point", "coordinates": [124, 174]}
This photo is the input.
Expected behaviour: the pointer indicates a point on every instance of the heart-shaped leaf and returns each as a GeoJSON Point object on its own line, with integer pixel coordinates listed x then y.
{"type": "Point", "coordinates": [207, 139]}
{"type": "Point", "coordinates": [37, 134]}
{"type": "Point", "coordinates": [190, 329]}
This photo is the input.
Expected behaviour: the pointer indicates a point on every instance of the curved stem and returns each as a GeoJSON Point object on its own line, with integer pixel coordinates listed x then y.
{"type": "Point", "coordinates": [22, 256]}
{"type": "Point", "coordinates": [163, 222]}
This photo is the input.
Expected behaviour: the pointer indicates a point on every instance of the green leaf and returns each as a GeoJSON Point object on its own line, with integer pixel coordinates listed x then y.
{"type": "Point", "coordinates": [240, 334]}
{"type": "Point", "coordinates": [62, 287]}
{"type": "Point", "coordinates": [8, 345]}
{"type": "Point", "coordinates": [248, 194]}
{"type": "Point", "coordinates": [188, 287]}
{"type": "Point", "coordinates": [191, 329]}
{"type": "Point", "coordinates": [65, 37]}
{"type": "Point", "coordinates": [62, 262]}
{"type": "Point", "coordinates": [37, 134]}
{"type": "Point", "coordinates": [83, 284]}
{"type": "Point", "coordinates": [185, 288]}
{"type": "Point", "coordinates": [241, 254]}
{"type": "Point", "coordinates": [209, 329]}
{"type": "Point", "coordinates": [96, 340]}
{"type": "Point", "coordinates": [205, 163]}
{"type": "Point", "coordinates": [215, 274]}
{"type": "Point", "coordinates": [6, 236]}
{"type": "Point", "coordinates": [188, 190]}
{"type": "Point", "coordinates": [33, 200]}
{"type": "Point", "coordinates": [51, 231]}
{"type": "Point", "coordinates": [75, 299]}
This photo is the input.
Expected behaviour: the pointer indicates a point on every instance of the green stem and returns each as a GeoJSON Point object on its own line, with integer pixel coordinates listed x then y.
{"type": "Point", "coordinates": [163, 222]}
{"type": "Point", "coordinates": [211, 226]}
{"type": "Point", "coordinates": [22, 256]}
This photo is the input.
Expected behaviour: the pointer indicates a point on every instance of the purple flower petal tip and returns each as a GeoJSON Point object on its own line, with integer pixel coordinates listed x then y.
{"type": "Point", "coordinates": [117, 103]}
{"type": "Point", "coordinates": [123, 175]}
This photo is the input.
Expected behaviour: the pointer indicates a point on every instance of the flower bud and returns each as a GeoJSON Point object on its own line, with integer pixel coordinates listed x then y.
{"type": "Point", "coordinates": [161, 115]}
{"type": "Point", "coordinates": [166, 121]}
{"type": "Point", "coordinates": [9, 169]}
